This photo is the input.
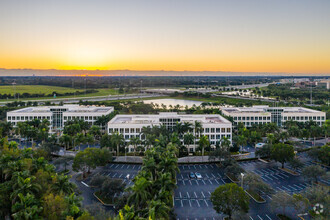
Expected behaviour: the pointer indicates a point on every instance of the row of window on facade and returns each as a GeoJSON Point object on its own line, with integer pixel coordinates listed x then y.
{"type": "Point", "coordinates": [25, 118]}
{"type": "Point", "coordinates": [284, 118]}
{"type": "Point", "coordinates": [210, 137]}
{"type": "Point", "coordinates": [138, 130]}
{"type": "Point", "coordinates": [81, 117]}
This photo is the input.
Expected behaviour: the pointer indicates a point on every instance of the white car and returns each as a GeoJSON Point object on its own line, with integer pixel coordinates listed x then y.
{"type": "Point", "coordinates": [198, 175]}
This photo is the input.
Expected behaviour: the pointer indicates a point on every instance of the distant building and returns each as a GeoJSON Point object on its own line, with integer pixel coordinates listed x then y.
{"type": "Point", "coordinates": [262, 114]}
{"type": "Point", "coordinates": [58, 115]}
{"type": "Point", "coordinates": [214, 126]}
{"type": "Point", "coordinates": [323, 84]}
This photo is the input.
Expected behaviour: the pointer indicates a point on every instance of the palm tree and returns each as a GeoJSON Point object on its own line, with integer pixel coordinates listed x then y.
{"type": "Point", "coordinates": [118, 140]}
{"type": "Point", "coordinates": [61, 184]}
{"type": "Point", "coordinates": [24, 186]}
{"type": "Point", "coordinates": [158, 210]}
{"type": "Point", "coordinates": [149, 165]}
{"type": "Point", "coordinates": [168, 164]}
{"type": "Point", "coordinates": [165, 182]}
{"type": "Point", "coordinates": [140, 193]}
{"type": "Point", "coordinates": [65, 140]}
{"type": "Point", "coordinates": [26, 208]}
{"type": "Point", "coordinates": [225, 142]}
{"type": "Point", "coordinates": [240, 141]}
{"type": "Point", "coordinates": [134, 141]}
{"type": "Point", "coordinates": [79, 139]}
{"type": "Point", "coordinates": [203, 142]}
{"type": "Point", "coordinates": [188, 139]}
{"type": "Point", "coordinates": [89, 139]}
{"type": "Point", "coordinates": [95, 131]}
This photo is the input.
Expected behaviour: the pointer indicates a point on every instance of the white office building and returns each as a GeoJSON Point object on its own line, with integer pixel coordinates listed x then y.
{"type": "Point", "coordinates": [58, 115]}
{"type": "Point", "coordinates": [262, 114]}
{"type": "Point", "coordinates": [213, 126]}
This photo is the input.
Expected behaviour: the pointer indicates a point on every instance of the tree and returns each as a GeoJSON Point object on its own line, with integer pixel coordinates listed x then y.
{"type": "Point", "coordinates": [140, 193]}
{"type": "Point", "coordinates": [318, 194]}
{"type": "Point", "coordinates": [65, 139]}
{"type": "Point", "coordinates": [234, 169]}
{"type": "Point", "coordinates": [64, 160]}
{"type": "Point", "coordinates": [188, 139]}
{"type": "Point", "coordinates": [282, 153]}
{"type": "Point", "coordinates": [264, 151]}
{"type": "Point", "coordinates": [300, 203]}
{"type": "Point", "coordinates": [90, 158]}
{"type": "Point", "coordinates": [111, 187]}
{"type": "Point", "coordinates": [255, 184]}
{"type": "Point", "coordinates": [117, 140]}
{"type": "Point", "coordinates": [313, 172]}
{"type": "Point", "coordinates": [61, 184]}
{"type": "Point", "coordinates": [281, 200]}
{"type": "Point", "coordinates": [158, 210]}
{"type": "Point", "coordinates": [134, 141]}
{"type": "Point", "coordinates": [295, 163]}
{"type": "Point", "coordinates": [26, 208]}
{"type": "Point", "coordinates": [229, 198]}
{"type": "Point", "coordinates": [203, 142]}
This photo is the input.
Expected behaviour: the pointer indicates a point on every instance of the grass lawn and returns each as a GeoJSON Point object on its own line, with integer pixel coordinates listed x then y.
{"type": "Point", "coordinates": [41, 89]}
{"type": "Point", "coordinates": [35, 89]}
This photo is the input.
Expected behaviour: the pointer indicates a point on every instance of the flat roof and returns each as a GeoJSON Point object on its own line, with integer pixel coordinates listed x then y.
{"type": "Point", "coordinates": [69, 108]}
{"type": "Point", "coordinates": [263, 108]}
{"type": "Point", "coordinates": [155, 118]}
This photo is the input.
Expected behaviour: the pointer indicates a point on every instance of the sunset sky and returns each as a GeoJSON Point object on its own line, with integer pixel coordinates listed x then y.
{"type": "Point", "coordinates": [206, 35]}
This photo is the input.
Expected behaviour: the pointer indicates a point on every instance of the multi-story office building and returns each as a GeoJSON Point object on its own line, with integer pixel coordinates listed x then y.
{"type": "Point", "coordinates": [213, 126]}
{"type": "Point", "coordinates": [262, 114]}
{"type": "Point", "coordinates": [58, 115]}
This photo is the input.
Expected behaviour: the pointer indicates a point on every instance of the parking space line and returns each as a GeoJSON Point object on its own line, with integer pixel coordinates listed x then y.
{"type": "Point", "coordinates": [197, 182]}
{"type": "Point", "coordinates": [181, 203]}
{"type": "Point", "coordinates": [111, 165]}
{"type": "Point", "coordinates": [188, 195]}
{"type": "Point", "coordinates": [286, 188]}
{"type": "Point", "coordinates": [120, 175]}
{"type": "Point", "coordinates": [210, 182]}
{"type": "Point", "coordinates": [200, 167]}
{"type": "Point", "coordinates": [109, 174]}
{"type": "Point", "coordinates": [217, 181]}
{"type": "Point", "coordinates": [195, 167]}
{"type": "Point", "coordinates": [116, 166]}
{"type": "Point", "coordinates": [198, 203]}
{"type": "Point", "coordinates": [114, 175]}
{"type": "Point", "coordinates": [122, 166]}
{"type": "Point", "coordinates": [213, 175]}
{"type": "Point", "coordinates": [203, 194]}
{"type": "Point", "coordinates": [278, 175]}
{"type": "Point", "coordinates": [134, 166]}
{"type": "Point", "coordinates": [209, 192]}
{"type": "Point", "coordinates": [206, 203]}
{"type": "Point", "coordinates": [190, 182]}
{"type": "Point", "coordinates": [204, 182]}
{"type": "Point", "coordinates": [298, 186]}
{"type": "Point", "coordinates": [183, 182]}
{"type": "Point", "coordinates": [259, 217]}
{"type": "Point", "coordinates": [251, 218]}
{"type": "Point", "coordinates": [189, 167]}
{"type": "Point", "coordinates": [189, 202]}
{"type": "Point", "coordinates": [268, 217]}
{"type": "Point", "coordinates": [207, 175]}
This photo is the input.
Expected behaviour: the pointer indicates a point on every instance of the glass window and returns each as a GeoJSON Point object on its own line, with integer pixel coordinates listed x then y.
{"type": "Point", "coordinates": [268, 118]}
{"type": "Point", "coordinates": [126, 130]}
{"type": "Point", "coordinates": [235, 118]}
{"type": "Point", "coordinates": [116, 129]}
{"type": "Point", "coordinates": [264, 118]}
{"type": "Point", "coordinates": [255, 118]}
{"type": "Point", "coordinates": [132, 130]}
{"type": "Point", "coordinates": [248, 118]}
{"type": "Point", "coordinates": [228, 130]}
{"type": "Point", "coordinates": [239, 118]}
{"type": "Point", "coordinates": [86, 117]}
{"type": "Point", "coordinates": [223, 130]}
{"type": "Point", "coordinates": [9, 117]}
{"type": "Point", "coordinates": [318, 118]}
{"type": "Point", "coordinates": [110, 130]}
{"type": "Point", "coordinates": [260, 118]}
{"type": "Point", "coordinates": [121, 130]}
{"type": "Point", "coordinates": [90, 117]}
{"type": "Point", "coordinates": [207, 130]}
{"type": "Point", "coordinates": [138, 130]}
{"type": "Point", "coordinates": [218, 130]}
{"type": "Point", "coordinates": [212, 130]}
{"type": "Point", "coordinates": [212, 136]}
{"type": "Point", "coordinates": [243, 118]}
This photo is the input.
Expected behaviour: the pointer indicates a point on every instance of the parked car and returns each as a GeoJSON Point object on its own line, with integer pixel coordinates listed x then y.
{"type": "Point", "coordinates": [192, 175]}
{"type": "Point", "coordinates": [198, 175]}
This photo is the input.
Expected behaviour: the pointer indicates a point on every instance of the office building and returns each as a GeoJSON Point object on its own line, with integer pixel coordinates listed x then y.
{"type": "Point", "coordinates": [213, 126]}
{"type": "Point", "coordinates": [262, 114]}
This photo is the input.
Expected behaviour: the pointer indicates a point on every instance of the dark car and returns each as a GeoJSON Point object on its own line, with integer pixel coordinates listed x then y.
{"type": "Point", "coordinates": [192, 175]}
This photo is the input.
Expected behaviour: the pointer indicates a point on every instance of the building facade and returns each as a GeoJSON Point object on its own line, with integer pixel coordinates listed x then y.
{"type": "Point", "coordinates": [213, 126]}
{"type": "Point", "coordinates": [262, 114]}
{"type": "Point", "coordinates": [58, 115]}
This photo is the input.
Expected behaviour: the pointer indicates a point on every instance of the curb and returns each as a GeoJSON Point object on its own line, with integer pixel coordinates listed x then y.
{"type": "Point", "coordinates": [231, 179]}
{"type": "Point", "coordinates": [112, 205]}
{"type": "Point", "coordinates": [254, 198]}
{"type": "Point", "coordinates": [286, 170]}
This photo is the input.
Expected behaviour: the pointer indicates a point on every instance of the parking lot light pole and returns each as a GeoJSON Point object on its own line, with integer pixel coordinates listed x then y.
{"type": "Point", "coordinates": [242, 174]}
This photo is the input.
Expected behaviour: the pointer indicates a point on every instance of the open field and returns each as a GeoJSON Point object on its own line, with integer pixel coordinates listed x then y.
{"type": "Point", "coordinates": [35, 89]}
{"type": "Point", "coordinates": [41, 89]}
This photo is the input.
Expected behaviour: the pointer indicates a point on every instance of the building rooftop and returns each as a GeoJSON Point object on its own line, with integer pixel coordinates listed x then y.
{"type": "Point", "coordinates": [69, 108]}
{"type": "Point", "coordinates": [154, 118]}
{"type": "Point", "coordinates": [265, 108]}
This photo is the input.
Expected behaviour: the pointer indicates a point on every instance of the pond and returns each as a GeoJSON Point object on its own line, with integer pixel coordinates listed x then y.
{"type": "Point", "coordinates": [173, 102]}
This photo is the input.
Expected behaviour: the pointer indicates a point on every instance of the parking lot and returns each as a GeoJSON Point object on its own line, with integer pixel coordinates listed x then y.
{"type": "Point", "coordinates": [127, 172]}
{"type": "Point", "coordinates": [192, 197]}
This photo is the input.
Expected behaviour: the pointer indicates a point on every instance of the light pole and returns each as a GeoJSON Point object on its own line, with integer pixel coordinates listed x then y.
{"type": "Point", "coordinates": [242, 174]}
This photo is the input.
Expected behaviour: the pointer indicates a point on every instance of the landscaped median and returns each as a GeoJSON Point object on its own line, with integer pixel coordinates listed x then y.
{"type": "Point", "coordinates": [255, 196]}
{"type": "Point", "coordinates": [105, 201]}
{"type": "Point", "coordinates": [290, 171]}
{"type": "Point", "coordinates": [232, 178]}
